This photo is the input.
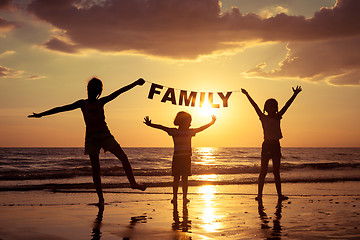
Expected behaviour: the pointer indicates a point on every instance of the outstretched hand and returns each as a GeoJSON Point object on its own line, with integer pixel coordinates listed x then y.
{"type": "Point", "coordinates": [140, 81]}
{"type": "Point", "coordinates": [297, 89]}
{"type": "Point", "coordinates": [35, 115]}
{"type": "Point", "coordinates": [147, 120]}
{"type": "Point", "coordinates": [213, 119]}
{"type": "Point", "coordinates": [244, 91]}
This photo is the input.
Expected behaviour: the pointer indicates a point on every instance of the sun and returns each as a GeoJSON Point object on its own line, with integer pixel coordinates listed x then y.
{"type": "Point", "coordinates": [206, 110]}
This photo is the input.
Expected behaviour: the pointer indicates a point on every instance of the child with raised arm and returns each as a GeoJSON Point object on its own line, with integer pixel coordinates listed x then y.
{"type": "Point", "coordinates": [272, 134]}
{"type": "Point", "coordinates": [181, 164]}
{"type": "Point", "coordinates": [97, 133]}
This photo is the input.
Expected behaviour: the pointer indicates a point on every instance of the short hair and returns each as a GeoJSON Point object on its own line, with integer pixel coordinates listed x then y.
{"type": "Point", "coordinates": [182, 118]}
{"type": "Point", "coordinates": [270, 102]}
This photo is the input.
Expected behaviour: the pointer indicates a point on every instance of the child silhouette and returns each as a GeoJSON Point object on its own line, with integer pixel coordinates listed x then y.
{"type": "Point", "coordinates": [97, 133]}
{"type": "Point", "coordinates": [272, 135]}
{"type": "Point", "coordinates": [181, 164]}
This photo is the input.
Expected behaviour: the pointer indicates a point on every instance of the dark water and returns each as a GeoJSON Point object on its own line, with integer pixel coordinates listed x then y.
{"type": "Point", "coordinates": [69, 168]}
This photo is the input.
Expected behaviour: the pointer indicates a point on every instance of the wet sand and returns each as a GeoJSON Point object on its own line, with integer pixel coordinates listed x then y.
{"type": "Point", "coordinates": [314, 211]}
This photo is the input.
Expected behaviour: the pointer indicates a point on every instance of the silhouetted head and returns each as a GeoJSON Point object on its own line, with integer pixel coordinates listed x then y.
{"type": "Point", "coordinates": [182, 119]}
{"type": "Point", "coordinates": [94, 88]}
{"type": "Point", "coordinates": [271, 106]}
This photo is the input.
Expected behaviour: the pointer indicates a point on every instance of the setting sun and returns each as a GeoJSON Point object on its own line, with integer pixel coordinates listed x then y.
{"type": "Point", "coordinates": [207, 110]}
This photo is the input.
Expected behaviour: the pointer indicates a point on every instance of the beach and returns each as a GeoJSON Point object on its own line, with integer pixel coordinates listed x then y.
{"type": "Point", "coordinates": [313, 211]}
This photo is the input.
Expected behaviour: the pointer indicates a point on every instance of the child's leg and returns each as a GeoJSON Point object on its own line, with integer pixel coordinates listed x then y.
{"type": "Point", "coordinates": [95, 166]}
{"type": "Point", "coordinates": [185, 185]}
{"type": "Point", "coordinates": [175, 188]}
{"type": "Point", "coordinates": [262, 175]}
{"type": "Point", "coordinates": [276, 172]}
{"type": "Point", "coordinates": [120, 154]}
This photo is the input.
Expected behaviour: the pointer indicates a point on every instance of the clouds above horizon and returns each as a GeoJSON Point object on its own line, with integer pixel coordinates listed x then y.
{"type": "Point", "coordinates": [323, 47]}
{"type": "Point", "coordinates": [184, 28]}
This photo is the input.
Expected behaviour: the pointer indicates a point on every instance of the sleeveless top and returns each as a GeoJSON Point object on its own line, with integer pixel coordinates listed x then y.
{"type": "Point", "coordinates": [94, 116]}
{"type": "Point", "coordinates": [271, 127]}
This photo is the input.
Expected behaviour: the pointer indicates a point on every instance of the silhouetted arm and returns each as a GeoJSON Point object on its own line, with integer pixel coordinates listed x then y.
{"type": "Point", "coordinates": [147, 121]}
{"type": "Point", "coordinates": [296, 91]}
{"type": "Point", "coordinates": [55, 110]}
{"type": "Point", "coordinates": [115, 94]}
{"type": "Point", "coordinates": [202, 128]}
{"type": "Point", "coordinates": [253, 103]}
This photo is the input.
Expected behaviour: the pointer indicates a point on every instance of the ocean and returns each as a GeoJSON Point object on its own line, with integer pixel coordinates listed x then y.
{"type": "Point", "coordinates": [68, 169]}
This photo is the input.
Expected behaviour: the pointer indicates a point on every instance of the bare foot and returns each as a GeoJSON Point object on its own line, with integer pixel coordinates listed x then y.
{"type": "Point", "coordinates": [283, 197]}
{"type": "Point", "coordinates": [100, 204]}
{"type": "Point", "coordinates": [138, 186]}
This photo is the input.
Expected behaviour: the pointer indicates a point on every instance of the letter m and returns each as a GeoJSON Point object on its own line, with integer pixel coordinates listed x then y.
{"type": "Point", "coordinates": [184, 97]}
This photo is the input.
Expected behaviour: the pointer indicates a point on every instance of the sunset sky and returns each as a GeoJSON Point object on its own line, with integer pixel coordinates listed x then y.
{"type": "Point", "coordinates": [50, 49]}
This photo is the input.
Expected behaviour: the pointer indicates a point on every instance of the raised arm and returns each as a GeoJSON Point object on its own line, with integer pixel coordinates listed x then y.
{"type": "Point", "coordinates": [115, 94]}
{"type": "Point", "coordinates": [253, 103]}
{"type": "Point", "coordinates": [296, 91]}
{"type": "Point", "coordinates": [147, 121]}
{"type": "Point", "coordinates": [202, 128]}
{"type": "Point", "coordinates": [55, 110]}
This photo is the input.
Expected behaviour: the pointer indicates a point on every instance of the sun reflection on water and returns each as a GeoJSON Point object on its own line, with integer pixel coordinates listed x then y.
{"type": "Point", "coordinates": [206, 155]}
{"type": "Point", "coordinates": [211, 221]}
{"type": "Point", "coordinates": [208, 177]}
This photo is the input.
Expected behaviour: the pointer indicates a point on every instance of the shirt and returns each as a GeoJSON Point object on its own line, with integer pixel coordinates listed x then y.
{"type": "Point", "coordinates": [182, 141]}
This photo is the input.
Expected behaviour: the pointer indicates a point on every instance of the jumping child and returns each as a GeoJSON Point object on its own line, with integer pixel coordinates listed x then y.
{"type": "Point", "coordinates": [272, 134]}
{"type": "Point", "coordinates": [181, 164]}
{"type": "Point", "coordinates": [97, 133]}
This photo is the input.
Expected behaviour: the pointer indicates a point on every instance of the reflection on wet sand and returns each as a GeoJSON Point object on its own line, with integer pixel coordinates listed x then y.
{"type": "Point", "coordinates": [210, 220]}
{"type": "Point", "coordinates": [185, 224]}
{"type": "Point", "coordinates": [96, 231]}
{"type": "Point", "coordinates": [276, 231]}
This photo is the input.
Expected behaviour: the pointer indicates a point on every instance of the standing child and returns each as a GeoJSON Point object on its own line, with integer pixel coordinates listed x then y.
{"type": "Point", "coordinates": [97, 133]}
{"type": "Point", "coordinates": [272, 134]}
{"type": "Point", "coordinates": [181, 164]}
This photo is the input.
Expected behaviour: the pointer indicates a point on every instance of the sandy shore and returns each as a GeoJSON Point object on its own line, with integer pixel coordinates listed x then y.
{"type": "Point", "coordinates": [314, 211]}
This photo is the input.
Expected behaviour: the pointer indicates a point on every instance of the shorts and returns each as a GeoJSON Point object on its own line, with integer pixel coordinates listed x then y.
{"type": "Point", "coordinates": [271, 149]}
{"type": "Point", "coordinates": [95, 141]}
{"type": "Point", "coordinates": [181, 166]}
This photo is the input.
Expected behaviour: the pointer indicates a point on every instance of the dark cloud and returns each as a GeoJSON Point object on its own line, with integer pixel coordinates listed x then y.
{"type": "Point", "coordinates": [59, 45]}
{"type": "Point", "coordinates": [188, 29]}
{"type": "Point", "coordinates": [6, 25]}
{"type": "Point", "coordinates": [4, 4]}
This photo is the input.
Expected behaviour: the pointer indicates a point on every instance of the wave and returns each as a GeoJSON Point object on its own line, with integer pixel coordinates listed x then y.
{"type": "Point", "coordinates": [41, 174]}
{"type": "Point", "coordinates": [90, 186]}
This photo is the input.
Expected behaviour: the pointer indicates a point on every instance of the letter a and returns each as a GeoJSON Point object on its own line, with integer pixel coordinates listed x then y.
{"type": "Point", "coordinates": [169, 96]}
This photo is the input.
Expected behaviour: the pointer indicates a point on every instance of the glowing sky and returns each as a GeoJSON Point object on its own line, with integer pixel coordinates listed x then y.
{"type": "Point", "coordinates": [50, 49]}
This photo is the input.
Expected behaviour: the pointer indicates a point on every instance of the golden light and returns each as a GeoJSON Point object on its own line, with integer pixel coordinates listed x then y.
{"type": "Point", "coordinates": [206, 155]}
{"type": "Point", "coordinates": [210, 219]}
{"type": "Point", "coordinates": [208, 177]}
{"type": "Point", "coordinates": [207, 110]}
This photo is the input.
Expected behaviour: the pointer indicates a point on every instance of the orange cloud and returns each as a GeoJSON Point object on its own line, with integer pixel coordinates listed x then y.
{"type": "Point", "coordinates": [8, 73]}
{"type": "Point", "coordinates": [336, 60]}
